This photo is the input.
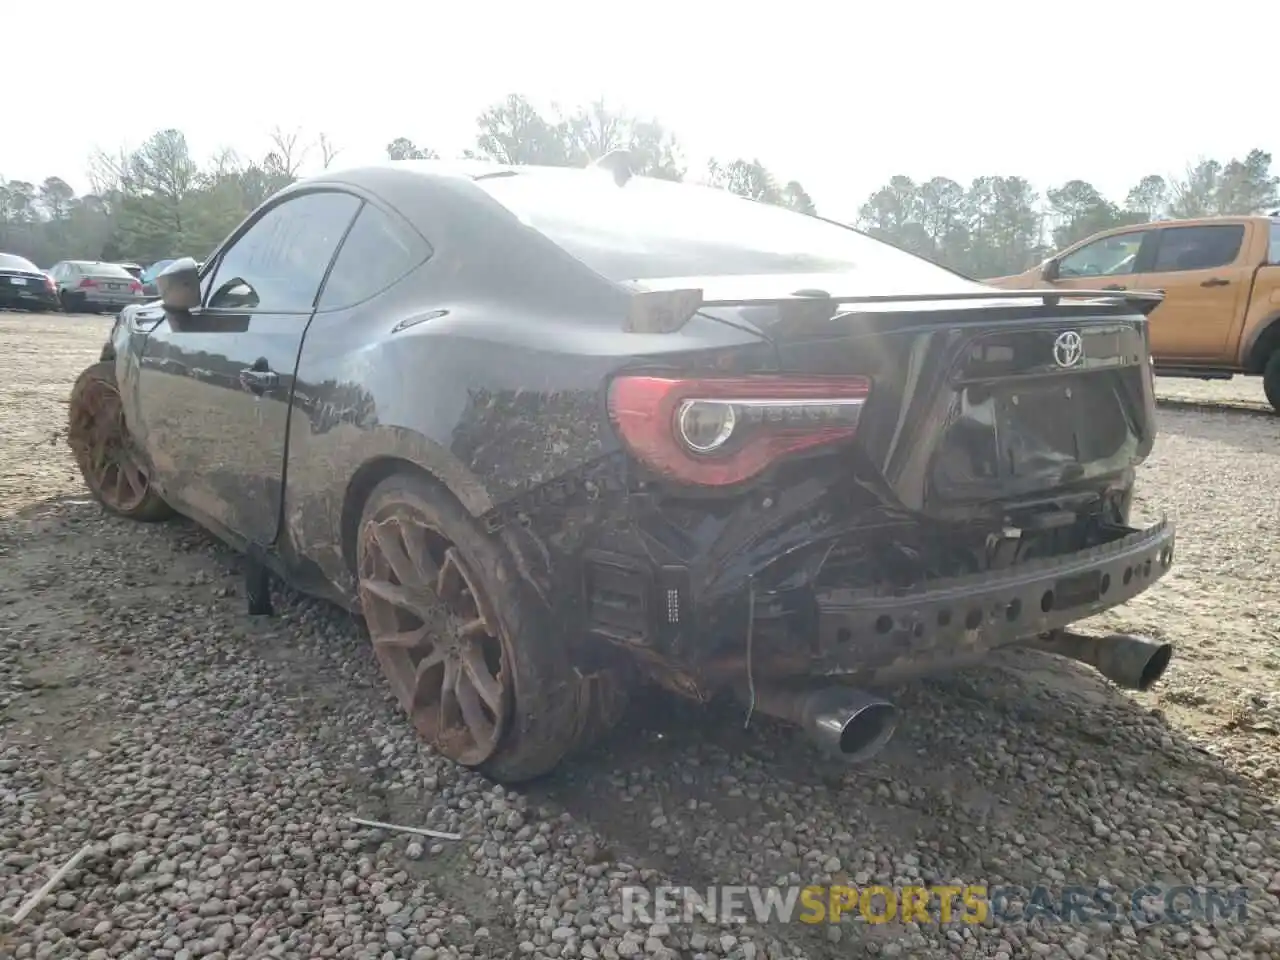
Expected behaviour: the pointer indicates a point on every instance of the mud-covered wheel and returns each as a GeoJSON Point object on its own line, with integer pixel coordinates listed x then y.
{"type": "Point", "coordinates": [100, 442]}
{"type": "Point", "coordinates": [465, 645]}
{"type": "Point", "coordinates": [1271, 380]}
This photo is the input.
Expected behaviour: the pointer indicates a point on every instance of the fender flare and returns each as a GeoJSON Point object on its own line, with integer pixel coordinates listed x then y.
{"type": "Point", "coordinates": [331, 476]}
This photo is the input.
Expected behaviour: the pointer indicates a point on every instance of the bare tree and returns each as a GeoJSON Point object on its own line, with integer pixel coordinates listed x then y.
{"type": "Point", "coordinates": [328, 150]}
{"type": "Point", "coordinates": [289, 151]}
{"type": "Point", "coordinates": [226, 162]}
{"type": "Point", "coordinates": [108, 172]}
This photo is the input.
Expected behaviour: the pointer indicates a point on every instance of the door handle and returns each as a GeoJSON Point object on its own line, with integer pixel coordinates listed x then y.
{"type": "Point", "coordinates": [1116, 286]}
{"type": "Point", "coordinates": [257, 380]}
{"type": "Point", "coordinates": [1215, 282]}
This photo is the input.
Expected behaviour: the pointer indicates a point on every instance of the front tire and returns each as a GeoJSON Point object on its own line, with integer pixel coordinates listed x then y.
{"type": "Point", "coordinates": [99, 439]}
{"type": "Point", "coordinates": [467, 647]}
{"type": "Point", "coordinates": [1271, 380]}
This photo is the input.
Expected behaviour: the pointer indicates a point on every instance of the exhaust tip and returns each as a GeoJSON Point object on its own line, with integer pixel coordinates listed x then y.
{"type": "Point", "coordinates": [868, 731]}
{"type": "Point", "coordinates": [1155, 667]}
{"type": "Point", "coordinates": [857, 734]}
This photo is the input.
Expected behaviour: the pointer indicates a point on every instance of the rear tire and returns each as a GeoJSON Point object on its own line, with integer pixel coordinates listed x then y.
{"type": "Point", "coordinates": [1271, 380]}
{"type": "Point", "coordinates": [99, 439]}
{"type": "Point", "coordinates": [468, 648]}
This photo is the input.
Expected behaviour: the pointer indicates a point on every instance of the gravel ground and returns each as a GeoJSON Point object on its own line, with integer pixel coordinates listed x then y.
{"type": "Point", "coordinates": [210, 758]}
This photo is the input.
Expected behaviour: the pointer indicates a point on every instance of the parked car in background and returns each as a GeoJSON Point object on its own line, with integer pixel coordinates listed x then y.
{"type": "Point", "coordinates": [553, 432]}
{"type": "Point", "coordinates": [1221, 282]}
{"type": "Point", "coordinates": [149, 275]}
{"type": "Point", "coordinates": [91, 286]}
{"type": "Point", "coordinates": [24, 286]}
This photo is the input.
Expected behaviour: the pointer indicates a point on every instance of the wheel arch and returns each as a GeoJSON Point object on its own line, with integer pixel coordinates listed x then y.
{"type": "Point", "coordinates": [1265, 341]}
{"type": "Point", "coordinates": [466, 489]}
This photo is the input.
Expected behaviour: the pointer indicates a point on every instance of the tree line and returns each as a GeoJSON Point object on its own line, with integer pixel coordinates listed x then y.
{"type": "Point", "coordinates": [1001, 225]}
{"type": "Point", "coordinates": [158, 201]}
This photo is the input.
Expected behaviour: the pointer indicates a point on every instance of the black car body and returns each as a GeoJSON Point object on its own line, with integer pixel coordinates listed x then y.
{"type": "Point", "coordinates": [709, 442]}
{"type": "Point", "coordinates": [24, 286]}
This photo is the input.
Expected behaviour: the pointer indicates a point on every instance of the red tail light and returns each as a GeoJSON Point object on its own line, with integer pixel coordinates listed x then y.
{"type": "Point", "coordinates": [135, 287]}
{"type": "Point", "coordinates": [721, 431]}
{"type": "Point", "coordinates": [50, 283]}
{"type": "Point", "coordinates": [88, 282]}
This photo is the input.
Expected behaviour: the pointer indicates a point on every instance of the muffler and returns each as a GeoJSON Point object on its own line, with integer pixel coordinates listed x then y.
{"type": "Point", "coordinates": [1131, 662]}
{"type": "Point", "coordinates": [842, 721]}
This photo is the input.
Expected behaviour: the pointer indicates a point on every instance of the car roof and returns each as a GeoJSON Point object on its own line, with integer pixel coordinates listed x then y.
{"type": "Point", "coordinates": [446, 169]}
{"type": "Point", "coordinates": [406, 174]}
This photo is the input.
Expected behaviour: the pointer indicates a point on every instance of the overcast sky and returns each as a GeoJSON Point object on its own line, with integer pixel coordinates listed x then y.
{"type": "Point", "coordinates": [835, 95]}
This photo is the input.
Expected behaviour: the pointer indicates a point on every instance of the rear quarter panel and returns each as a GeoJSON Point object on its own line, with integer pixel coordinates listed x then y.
{"type": "Point", "coordinates": [495, 397]}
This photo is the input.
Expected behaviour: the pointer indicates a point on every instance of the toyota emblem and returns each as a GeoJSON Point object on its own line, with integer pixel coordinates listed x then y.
{"type": "Point", "coordinates": [1068, 349]}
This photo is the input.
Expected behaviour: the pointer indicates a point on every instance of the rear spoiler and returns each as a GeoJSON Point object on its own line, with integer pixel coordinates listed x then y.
{"type": "Point", "coordinates": [665, 311]}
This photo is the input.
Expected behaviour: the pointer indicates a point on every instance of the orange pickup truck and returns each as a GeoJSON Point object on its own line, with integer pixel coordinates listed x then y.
{"type": "Point", "coordinates": [1221, 280]}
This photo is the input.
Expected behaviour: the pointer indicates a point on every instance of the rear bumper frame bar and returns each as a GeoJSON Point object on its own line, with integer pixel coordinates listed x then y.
{"type": "Point", "coordinates": [861, 632]}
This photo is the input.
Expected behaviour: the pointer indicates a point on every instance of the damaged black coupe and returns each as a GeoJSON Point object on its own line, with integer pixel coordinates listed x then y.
{"type": "Point", "coordinates": [559, 432]}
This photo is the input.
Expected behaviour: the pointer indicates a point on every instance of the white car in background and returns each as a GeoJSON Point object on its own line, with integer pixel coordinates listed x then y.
{"type": "Point", "coordinates": [91, 286]}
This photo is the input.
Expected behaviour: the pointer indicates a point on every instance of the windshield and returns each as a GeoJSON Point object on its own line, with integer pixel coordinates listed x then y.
{"type": "Point", "coordinates": [11, 261]}
{"type": "Point", "coordinates": [650, 229]}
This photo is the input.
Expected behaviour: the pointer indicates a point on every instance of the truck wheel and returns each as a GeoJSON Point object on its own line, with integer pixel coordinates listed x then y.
{"type": "Point", "coordinates": [467, 647]}
{"type": "Point", "coordinates": [99, 439]}
{"type": "Point", "coordinates": [1271, 380]}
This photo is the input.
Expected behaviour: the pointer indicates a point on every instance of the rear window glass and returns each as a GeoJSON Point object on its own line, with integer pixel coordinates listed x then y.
{"type": "Point", "coordinates": [104, 270]}
{"type": "Point", "coordinates": [650, 229]}
{"type": "Point", "coordinates": [11, 261]}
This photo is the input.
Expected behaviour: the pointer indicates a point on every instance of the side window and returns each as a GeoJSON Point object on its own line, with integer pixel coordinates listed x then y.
{"type": "Point", "coordinates": [1108, 257]}
{"type": "Point", "coordinates": [1274, 255]}
{"type": "Point", "coordinates": [377, 252]}
{"type": "Point", "coordinates": [1198, 248]}
{"type": "Point", "coordinates": [278, 263]}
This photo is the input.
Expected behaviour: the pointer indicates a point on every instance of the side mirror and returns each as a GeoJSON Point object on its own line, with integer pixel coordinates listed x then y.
{"type": "Point", "coordinates": [179, 285]}
{"type": "Point", "coordinates": [1049, 271]}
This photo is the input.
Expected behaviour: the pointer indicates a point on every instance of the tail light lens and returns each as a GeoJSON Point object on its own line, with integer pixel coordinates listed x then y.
{"type": "Point", "coordinates": [135, 287]}
{"type": "Point", "coordinates": [50, 283]}
{"type": "Point", "coordinates": [721, 431]}
{"type": "Point", "coordinates": [88, 282]}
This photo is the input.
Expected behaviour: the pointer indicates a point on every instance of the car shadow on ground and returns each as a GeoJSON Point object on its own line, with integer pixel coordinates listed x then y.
{"type": "Point", "coordinates": [689, 792]}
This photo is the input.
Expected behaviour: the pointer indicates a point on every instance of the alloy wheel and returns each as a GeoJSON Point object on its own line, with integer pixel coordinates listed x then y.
{"type": "Point", "coordinates": [434, 633]}
{"type": "Point", "coordinates": [102, 449]}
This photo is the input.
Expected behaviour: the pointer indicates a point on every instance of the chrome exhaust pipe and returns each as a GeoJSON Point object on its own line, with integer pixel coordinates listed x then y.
{"type": "Point", "coordinates": [844, 722]}
{"type": "Point", "coordinates": [1133, 663]}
